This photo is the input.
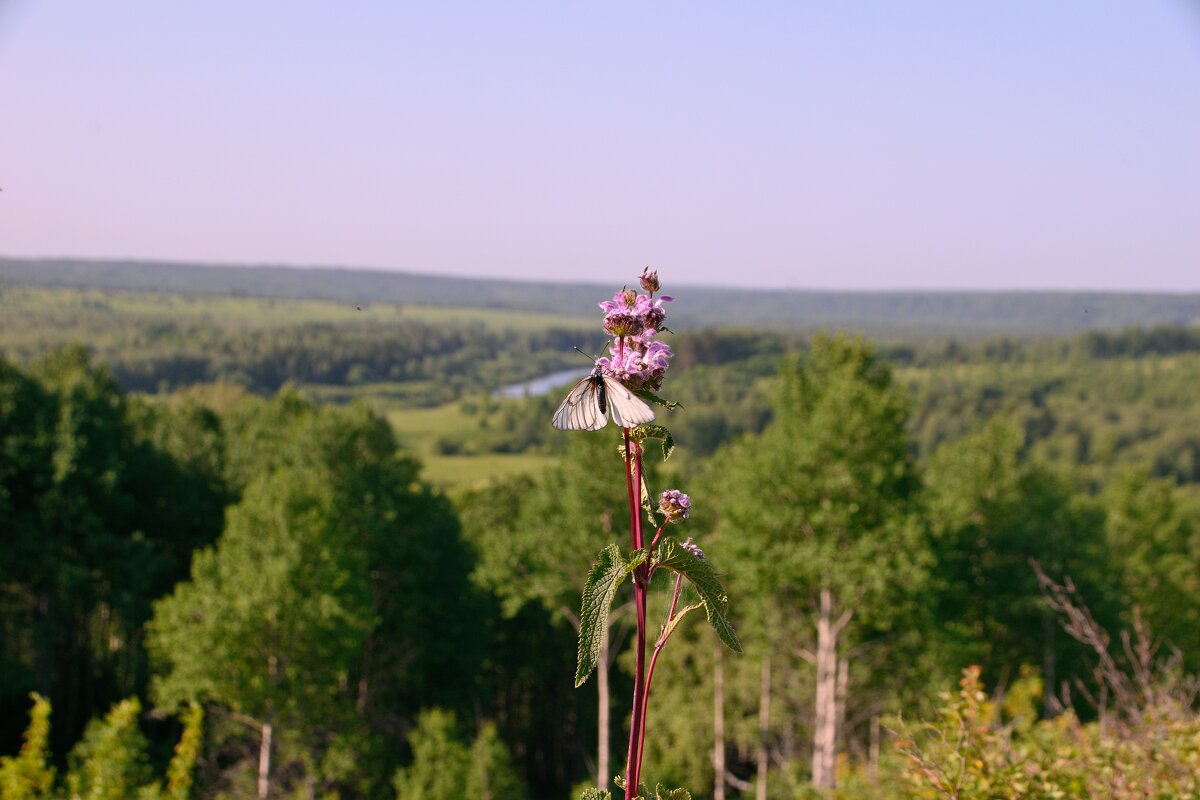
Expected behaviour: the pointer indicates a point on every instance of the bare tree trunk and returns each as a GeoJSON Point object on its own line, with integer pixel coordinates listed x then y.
{"type": "Point", "coordinates": [825, 666]}
{"type": "Point", "coordinates": [718, 722]}
{"type": "Point", "coordinates": [264, 759]}
{"type": "Point", "coordinates": [764, 722]}
{"type": "Point", "coordinates": [839, 711]}
{"type": "Point", "coordinates": [268, 731]}
{"type": "Point", "coordinates": [603, 733]}
{"type": "Point", "coordinates": [830, 681]}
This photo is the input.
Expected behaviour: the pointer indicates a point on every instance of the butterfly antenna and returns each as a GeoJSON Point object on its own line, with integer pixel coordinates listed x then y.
{"type": "Point", "coordinates": [585, 354]}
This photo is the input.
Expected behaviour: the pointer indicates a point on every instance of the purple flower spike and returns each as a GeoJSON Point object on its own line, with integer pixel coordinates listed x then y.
{"type": "Point", "coordinates": [674, 505]}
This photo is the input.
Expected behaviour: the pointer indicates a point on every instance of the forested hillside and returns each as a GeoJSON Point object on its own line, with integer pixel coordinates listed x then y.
{"type": "Point", "coordinates": [188, 519]}
{"type": "Point", "coordinates": [972, 314]}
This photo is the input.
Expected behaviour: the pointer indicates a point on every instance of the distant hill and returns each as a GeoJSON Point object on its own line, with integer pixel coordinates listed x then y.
{"type": "Point", "coordinates": [959, 313]}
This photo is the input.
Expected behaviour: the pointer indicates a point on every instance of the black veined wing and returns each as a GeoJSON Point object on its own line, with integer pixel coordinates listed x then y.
{"type": "Point", "coordinates": [585, 408]}
{"type": "Point", "coordinates": [587, 405]}
{"type": "Point", "coordinates": [628, 410]}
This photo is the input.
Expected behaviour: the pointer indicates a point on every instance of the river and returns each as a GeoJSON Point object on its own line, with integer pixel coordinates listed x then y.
{"type": "Point", "coordinates": [543, 385]}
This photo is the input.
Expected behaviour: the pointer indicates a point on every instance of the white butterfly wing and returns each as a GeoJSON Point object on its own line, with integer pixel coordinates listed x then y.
{"type": "Point", "coordinates": [628, 410]}
{"type": "Point", "coordinates": [580, 410]}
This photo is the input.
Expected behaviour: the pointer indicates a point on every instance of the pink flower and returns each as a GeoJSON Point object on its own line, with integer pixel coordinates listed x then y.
{"type": "Point", "coordinates": [675, 506]}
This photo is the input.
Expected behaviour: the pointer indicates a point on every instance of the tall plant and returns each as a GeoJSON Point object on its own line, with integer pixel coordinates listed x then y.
{"type": "Point", "coordinates": [623, 384]}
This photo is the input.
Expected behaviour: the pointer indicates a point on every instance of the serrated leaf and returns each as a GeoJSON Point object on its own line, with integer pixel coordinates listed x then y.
{"type": "Point", "coordinates": [699, 572]}
{"type": "Point", "coordinates": [673, 623]}
{"type": "Point", "coordinates": [594, 794]}
{"type": "Point", "coordinates": [649, 431]}
{"type": "Point", "coordinates": [643, 793]}
{"type": "Point", "coordinates": [671, 794]}
{"type": "Point", "coordinates": [651, 397]}
{"type": "Point", "coordinates": [606, 575]}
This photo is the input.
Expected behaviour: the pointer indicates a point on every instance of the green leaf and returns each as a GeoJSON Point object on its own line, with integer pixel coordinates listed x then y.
{"type": "Point", "coordinates": [647, 504]}
{"type": "Point", "coordinates": [643, 792]}
{"type": "Point", "coordinates": [609, 571]}
{"type": "Point", "coordinates": [671, 794]}
{"type": "Point", "coordinates": [670, 555]}
{"type": "Point", "coordinates": [594, 794]}
{"type": "Point", "coordinates": [673, 623]}
{"type": "Point", "coordinates": [651, 397]}
{"type": "Point", "coordinates": [648, 431]}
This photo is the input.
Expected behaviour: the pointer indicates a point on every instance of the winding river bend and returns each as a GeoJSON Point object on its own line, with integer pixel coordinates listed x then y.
{"type": "Point", "coordinates": [543, 385]}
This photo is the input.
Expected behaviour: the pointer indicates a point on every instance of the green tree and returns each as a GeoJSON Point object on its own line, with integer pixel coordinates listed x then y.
{"type": "Point", "coordinates": [817, 516]}
{"type": "Point", "coordinates": [447, 768]}
{"type": "Point", "coordinates": [110, 762]}
{"type": "Point", "coordinates": [1154, 545]}
{"type": "Point", "coordinates": [993, 510]}
{"type": "Point", "coordinates": [273, 617]}
{"type": "Point", "coordinates": [339, 596]}
{"type": "Point", "coordinates": [180, 772]}
{"type": "Point", "coordinates": [99, 521]}
{"type": "Point", "coordinates": [30, 775]}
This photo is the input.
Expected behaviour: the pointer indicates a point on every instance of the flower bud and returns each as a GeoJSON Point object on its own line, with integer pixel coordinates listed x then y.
{"type": "Point", "coordinates": [694, 549]}
{"type": "Point", "coordinates": [674, 505]}
{"type": "Point", "coordinates": [649, 280]}
{"type": "Point", "coordinates": [623, 323]}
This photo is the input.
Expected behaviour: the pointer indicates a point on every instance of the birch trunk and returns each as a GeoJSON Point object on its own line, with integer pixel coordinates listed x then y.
{"type": "Point", "coordinates": [264, 759]}
{"type": "Point", "coordinates": [268, 731]}
{"type": "Point", "coordinates": [839, 707]}
{"type": "Point", "coordinates": [718, 723]}
{"type": "Point", "coordinates": [825, 727]}
{"type": "Point", "coordinates": [764, 721]}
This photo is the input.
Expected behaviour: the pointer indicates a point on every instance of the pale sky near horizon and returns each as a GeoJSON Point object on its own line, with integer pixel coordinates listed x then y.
{"type": "Point", "coordinates": [871, 145]}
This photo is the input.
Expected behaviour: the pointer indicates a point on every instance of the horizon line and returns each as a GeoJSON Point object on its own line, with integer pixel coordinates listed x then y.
{"type": "Point", "coordinates": [466, 276]}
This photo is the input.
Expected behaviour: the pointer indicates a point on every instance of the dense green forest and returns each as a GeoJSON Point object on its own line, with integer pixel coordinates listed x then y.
{"type": "Point", "coordinates": [220, 531]}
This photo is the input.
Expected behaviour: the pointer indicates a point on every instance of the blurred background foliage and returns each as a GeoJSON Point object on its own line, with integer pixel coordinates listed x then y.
{"type": "Point", "coordinates": [326, 521]}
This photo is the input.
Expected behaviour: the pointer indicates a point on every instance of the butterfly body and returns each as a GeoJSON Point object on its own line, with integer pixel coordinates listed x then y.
{"type": "Point", "coordinates": [590, 402]}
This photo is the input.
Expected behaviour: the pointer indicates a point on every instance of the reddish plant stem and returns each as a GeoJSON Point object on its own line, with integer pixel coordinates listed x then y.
{"type": "Point", "coordinates": [632, 472]}
{"type": "Point", "coordinates": [658, 646]}
{"type": "Point", "coordinates": [633, 504]}
{"type": "Point", "coordinates": [639, 699]}
{"type": "Point", "coordinates": [640, 576]}
{"type": "Point", "coordinates": [657, 535]}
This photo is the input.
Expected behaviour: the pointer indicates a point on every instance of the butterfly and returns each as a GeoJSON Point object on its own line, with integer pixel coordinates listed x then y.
{"type": "Point", "coordinates": [587, 405]}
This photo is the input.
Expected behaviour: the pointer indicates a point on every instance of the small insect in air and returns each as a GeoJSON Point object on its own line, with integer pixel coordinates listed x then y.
{"type": "Point", "coordinates": [358, 308]}
{"type": "Point", "coordinates": [588, 405]}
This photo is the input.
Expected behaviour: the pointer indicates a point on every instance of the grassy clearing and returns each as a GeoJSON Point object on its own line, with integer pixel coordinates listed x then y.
{"type": "Point", "coordinates": [82, 306]}
{"type": "Point", "coordinates": [457, 472]}
{"type": "Point", "coordinates": [419, 430]}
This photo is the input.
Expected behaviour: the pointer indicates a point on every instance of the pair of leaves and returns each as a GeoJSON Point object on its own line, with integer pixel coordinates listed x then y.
{"type": "Point", "coordinates": [610, 571]}
{"type": "Point", "coordinates": [660, 792]}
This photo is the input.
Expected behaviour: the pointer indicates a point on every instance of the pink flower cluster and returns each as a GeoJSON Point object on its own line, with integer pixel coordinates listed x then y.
{"type": "Point", "coordinates": [674, 505]}
{"type": "Point", "coordinates": [639, 360]}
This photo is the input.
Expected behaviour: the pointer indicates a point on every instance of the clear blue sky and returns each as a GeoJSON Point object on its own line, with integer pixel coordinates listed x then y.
{"type": "Point", "coordinates": [1023, 144]}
